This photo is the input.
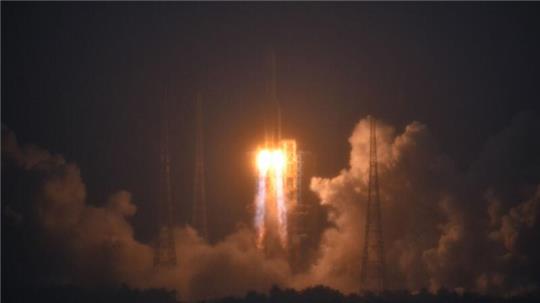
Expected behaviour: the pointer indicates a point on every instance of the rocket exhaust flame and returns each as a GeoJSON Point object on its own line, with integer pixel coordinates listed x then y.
{"type": "Point", "coordinates": [271, 201]}
{"type": "Point", "coordinates": [281, 206]}
{"type": "Point", "coordinates": [260, 206]}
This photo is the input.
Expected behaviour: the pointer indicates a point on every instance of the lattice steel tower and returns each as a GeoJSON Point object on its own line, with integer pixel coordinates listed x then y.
{"type": "Point", "coordinates": [373, 264]}
{"type": "Point", "coordinates": [199, 219]}
{"type": "Point", "coordinates": [165, 250]}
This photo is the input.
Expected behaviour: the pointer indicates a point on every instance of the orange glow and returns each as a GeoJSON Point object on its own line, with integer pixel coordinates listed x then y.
{"type": "Point", "coordinates": [271, 160]}
{"type": "Point", "coordinates": [276, 193]}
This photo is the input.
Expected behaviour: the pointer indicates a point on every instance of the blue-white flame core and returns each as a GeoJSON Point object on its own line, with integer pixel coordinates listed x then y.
{"type": "Point", "coordinates": [260, 206]}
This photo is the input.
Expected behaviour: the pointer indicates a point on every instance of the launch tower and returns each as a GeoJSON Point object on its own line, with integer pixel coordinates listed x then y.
{"type": "Point", "coordinates": [280, 215]}
{"type": "Point", "coordinates": [373, 265]}
{"type": "Point", "coordinates": [165, 251]}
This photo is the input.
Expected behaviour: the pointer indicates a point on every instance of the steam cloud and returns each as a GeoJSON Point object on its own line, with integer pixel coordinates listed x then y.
{"type": "Point", "coordinates": [442, 228]}
{"type": "Point", "coordinates": [474, 230]}
{"type": "Point", "coordinates": [74, 242]}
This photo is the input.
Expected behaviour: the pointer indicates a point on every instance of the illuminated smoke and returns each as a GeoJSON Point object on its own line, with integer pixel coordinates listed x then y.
{"type": "Point", "coordinates": [472, 230]}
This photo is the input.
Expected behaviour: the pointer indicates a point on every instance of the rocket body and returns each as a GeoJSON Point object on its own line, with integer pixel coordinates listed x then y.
{"type": "Point", "coordinates": [272, 110]}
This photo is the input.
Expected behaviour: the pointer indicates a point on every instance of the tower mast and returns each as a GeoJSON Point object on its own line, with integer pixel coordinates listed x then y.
{"type": "Point", "coordinates": [199, 219]}
{"type": "Point", "coordinates": [165, 250]}
{"type": "Point", "coordinates": [373, 264]}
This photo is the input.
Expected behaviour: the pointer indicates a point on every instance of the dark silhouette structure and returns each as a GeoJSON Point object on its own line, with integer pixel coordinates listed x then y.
{"type": "Point", "coordinates": [315, 294]}
{"type": "Point", "coordinates": [373, 265]}
{"type": "Point", "coordinates": [303, 221]}
{"type": "Point", "coordinates": [80, 294]}
{"type": "Point", "coordinates": [199, 219]}
{"type": "Point", "coordinates": [165, 250]}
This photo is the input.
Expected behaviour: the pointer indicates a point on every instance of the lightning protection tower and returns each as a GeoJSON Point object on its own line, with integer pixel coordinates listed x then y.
{"type": "Point", "coordinates": [199, 219]}
{"type": "Point", "coordinates": [165, 250]}
{"type": "Point", "coordinates": [373, 265]}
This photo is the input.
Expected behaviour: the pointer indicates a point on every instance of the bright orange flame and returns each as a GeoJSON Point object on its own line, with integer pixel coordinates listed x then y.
{"type": "Point", "coordinates": [271, 160]}
{"type": "Point", "coordinates": [264, 160]}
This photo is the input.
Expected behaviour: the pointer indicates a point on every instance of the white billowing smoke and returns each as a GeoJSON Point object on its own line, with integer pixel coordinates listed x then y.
{"type": "Point", "coordinates": [409, 190]}
{"type": "Point", "coordinates": [96, 245]}
{"type": "Point", "coordinates": [442, 227]}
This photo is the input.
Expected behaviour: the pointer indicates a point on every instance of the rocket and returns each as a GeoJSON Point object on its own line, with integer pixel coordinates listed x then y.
{"type": "Point", "coordinates": [277, 173]}
{"type": "Point", "coordinates": [272, 123]}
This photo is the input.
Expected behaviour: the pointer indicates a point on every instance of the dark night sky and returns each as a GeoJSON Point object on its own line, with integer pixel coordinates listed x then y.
{"type": "Point", "coordinates": [84, 80]}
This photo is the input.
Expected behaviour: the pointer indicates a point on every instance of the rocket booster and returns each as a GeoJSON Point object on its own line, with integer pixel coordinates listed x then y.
{"type": "Point", "coordinates": [272, 109]}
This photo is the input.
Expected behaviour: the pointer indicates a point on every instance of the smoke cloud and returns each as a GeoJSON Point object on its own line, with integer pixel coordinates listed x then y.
{"type": "Point", "coordinates": [442, 227]}
{"type": "Point", "coordinates": [74, 242]}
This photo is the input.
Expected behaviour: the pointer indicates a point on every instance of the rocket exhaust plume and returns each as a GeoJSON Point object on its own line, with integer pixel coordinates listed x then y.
{"type": "Point", "coordinates": [276, 195]}
{"type": "Point", "coordinates": [280, 201]}
{"type": "Point", "coordinates": [262, 167]}
{"type": "Point", "coordinates": [270, 201]}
